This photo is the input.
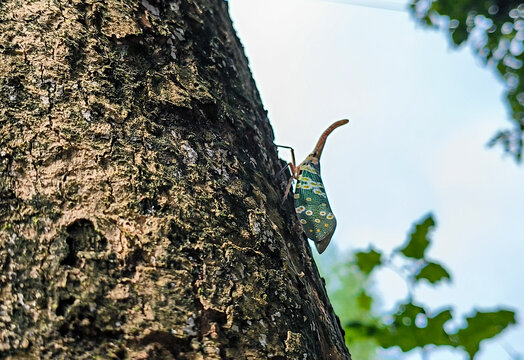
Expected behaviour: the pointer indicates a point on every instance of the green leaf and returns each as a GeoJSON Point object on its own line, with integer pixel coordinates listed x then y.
{"type": "Point", "coordinates": [434, 332]}
{"type": "Point", "coordinates": [359, 330]}
{"type": "Point", "coordinates": [419, 238]}
{"type": "Point", "coordinates": [433, 273]}
{"type": "Point", "coordinates": [459, 35]}
{"type": "Point", "coordinates": [412, 327]}
{"type": "Point", "coordinates": [364, 301]}
{"type": "Point", "coordinates": [481, 326]}
{"type": "Point", "coordinates": [366, 261]}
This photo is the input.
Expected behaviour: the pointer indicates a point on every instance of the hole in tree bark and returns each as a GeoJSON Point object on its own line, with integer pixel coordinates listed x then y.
{"type": "Point", "coordinates": [166, 341]}
{"type": "Point", "coordinates": [71, 258]}
{"type": "Point", "coordinates": [82, 236]}
{"type": "Point", "coordinates": [63, 304]}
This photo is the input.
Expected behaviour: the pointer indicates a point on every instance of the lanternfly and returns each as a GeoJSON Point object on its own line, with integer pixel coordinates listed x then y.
{"type": "Point", "coordinates": [311, 203]}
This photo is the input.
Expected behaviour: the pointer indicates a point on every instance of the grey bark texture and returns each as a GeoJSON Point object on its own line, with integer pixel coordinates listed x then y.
{"type": "Point", "coordinates": [140, 216]}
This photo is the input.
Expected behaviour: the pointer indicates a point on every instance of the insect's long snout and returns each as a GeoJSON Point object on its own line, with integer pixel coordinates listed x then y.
{"type": "Point", "coordinates": [322, 141]}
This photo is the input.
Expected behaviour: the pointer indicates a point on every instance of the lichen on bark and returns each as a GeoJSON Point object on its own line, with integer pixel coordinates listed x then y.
{"type": "Point", "coordinates": [139, 211]}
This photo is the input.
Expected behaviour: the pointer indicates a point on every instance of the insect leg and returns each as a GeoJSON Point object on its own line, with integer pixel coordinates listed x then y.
{"type": "Point", "coordinates": [293, 167]}
{"type": "Point", "coordinates": [293, 163]}
{"type": "Point", "coordinates": [284, 169]}
{"type": "Point", "coordinates": [288, 188]}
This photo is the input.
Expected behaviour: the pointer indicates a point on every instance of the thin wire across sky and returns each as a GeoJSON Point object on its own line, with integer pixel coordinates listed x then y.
{"type": "Point", "coordinates": [375, 4]}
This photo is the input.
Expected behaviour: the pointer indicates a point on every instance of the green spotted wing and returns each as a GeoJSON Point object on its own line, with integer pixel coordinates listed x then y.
{"type": "Point", "coordinates": [312, 206]}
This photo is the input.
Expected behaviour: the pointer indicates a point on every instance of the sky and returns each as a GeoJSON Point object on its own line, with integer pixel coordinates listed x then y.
{"type": "Point", "coordinates": [421, 114]}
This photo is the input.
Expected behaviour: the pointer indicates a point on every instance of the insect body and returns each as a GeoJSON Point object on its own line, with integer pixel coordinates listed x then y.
{"type": "Point", "coordinates": [311, 203]}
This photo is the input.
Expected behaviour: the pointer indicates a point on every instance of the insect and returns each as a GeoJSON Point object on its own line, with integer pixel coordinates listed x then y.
{"type": "Point", "coordinates": [311, 203]}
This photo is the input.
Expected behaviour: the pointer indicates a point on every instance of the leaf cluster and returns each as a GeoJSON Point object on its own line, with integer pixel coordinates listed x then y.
{"type": "Point", "coordinates": [495, 30]}
{"type": "Point", "coordinates": [412, 324]}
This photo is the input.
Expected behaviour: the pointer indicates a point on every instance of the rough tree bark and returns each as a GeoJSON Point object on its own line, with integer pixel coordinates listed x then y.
{"type": "Point", "coordinates": [139, 212]}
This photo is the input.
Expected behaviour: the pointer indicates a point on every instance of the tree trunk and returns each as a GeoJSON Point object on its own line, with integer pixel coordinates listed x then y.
{"type": "Point", "coordinates": [140, 216]}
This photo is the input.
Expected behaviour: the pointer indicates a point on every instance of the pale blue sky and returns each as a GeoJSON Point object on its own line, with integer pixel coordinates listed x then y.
{"type": "Point", "coordinates": [420, 117]}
